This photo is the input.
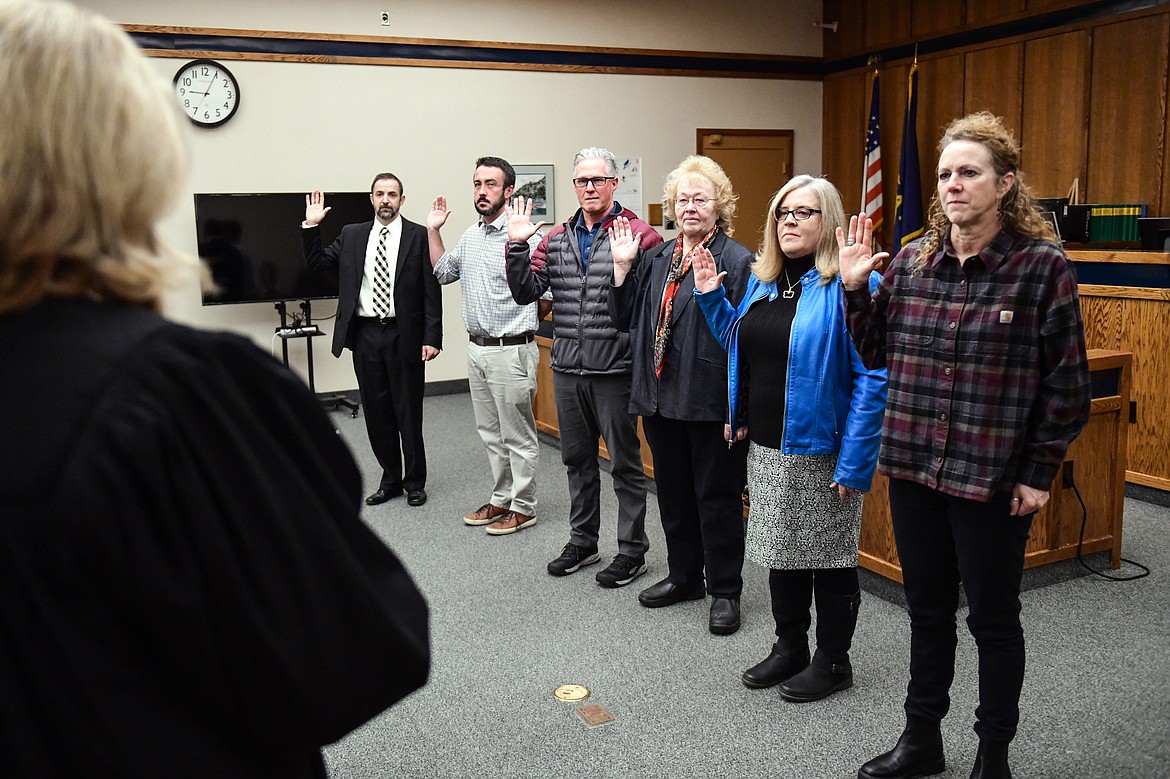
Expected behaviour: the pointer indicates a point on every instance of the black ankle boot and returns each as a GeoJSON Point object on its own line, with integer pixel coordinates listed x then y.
{"type": "Point", "coordinates": [919, 752]}
{"type": "Point", "coordinates": [823, 677]}
{"type": "Point", "coordinates": [782, 663]}
{"type": "Point", "coordinates": [991, 761]}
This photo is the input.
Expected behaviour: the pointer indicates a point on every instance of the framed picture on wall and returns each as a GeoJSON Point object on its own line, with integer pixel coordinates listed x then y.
{"type": "Point", "coordinates": [535, 182]}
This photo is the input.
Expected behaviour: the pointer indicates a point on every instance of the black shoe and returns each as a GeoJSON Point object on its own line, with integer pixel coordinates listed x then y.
{"type": "Point", "coordinates": [991, 761]}
{"type": "Point", "coordinates": [919, 752]}
{"type": "Point", "coordinates": [416, 497]}
{"type": "Point", "coordinates": [724, 618]}
{"type": "Point", "coordinates": [821, 679]}
{"type": "Point", "coordinates": [781, 664]}
{"type": "Point", "coordinates": [623, 570]}
{"type": "Point", "coordinates": [572, 558]}
{"type": "Point", "coordinates": [667, 593]}
{"type": "Point", "coordinates": [383, 495]}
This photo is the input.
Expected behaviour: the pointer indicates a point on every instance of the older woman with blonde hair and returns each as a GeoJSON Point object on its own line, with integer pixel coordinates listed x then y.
{"type": "Point", "coordinates": [812, 413]}
{"type": "Point", "coordinates": [172, 499]}
{"type": "Point", "coordinates": [679, 388]}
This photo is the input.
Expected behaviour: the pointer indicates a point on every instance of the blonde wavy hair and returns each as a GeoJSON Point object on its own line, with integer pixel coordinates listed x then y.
{"type": "Point", "coordinates": [696, 166]}
{"type": "Point", "coordinates": [770, 259]}
{"type": "Point", "coordinates": [1018, 212]}
{"type": "Point", "coordinates": [90, 158]}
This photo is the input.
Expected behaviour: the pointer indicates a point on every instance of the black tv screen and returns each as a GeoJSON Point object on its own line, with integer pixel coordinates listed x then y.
{"type": "Point", "coordinates": [252, 244]}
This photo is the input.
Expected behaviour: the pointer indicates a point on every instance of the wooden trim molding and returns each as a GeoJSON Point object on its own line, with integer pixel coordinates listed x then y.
{"type": "Point", "coordinates": [192, 42]}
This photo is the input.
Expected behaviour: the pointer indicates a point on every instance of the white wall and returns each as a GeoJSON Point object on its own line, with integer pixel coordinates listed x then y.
{"type": "Point", "coordinates": [302, 126]}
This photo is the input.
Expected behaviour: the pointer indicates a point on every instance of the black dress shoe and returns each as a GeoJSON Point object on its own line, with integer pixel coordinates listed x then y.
{"type": "Point", "coordinates": [919, 752]}
{"type": "Point", "coordinates": [667, 593]}
{"type": "Point", "coordinates": [781, 664]}
{"type": "Point", "coordinates": [383, 495]}
{"type": "Point", "coordinates": [822, 678]}
{"type": "Point", "coordinates": [724, 616]}
{"type": "Point", "coordinates": [416, 497]}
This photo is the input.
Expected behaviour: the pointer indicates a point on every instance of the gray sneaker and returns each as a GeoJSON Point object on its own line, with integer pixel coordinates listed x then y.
{"type": "Point", "coordinates": [572, 558]}
{"type": "Point", "coordinates": [623, 570]}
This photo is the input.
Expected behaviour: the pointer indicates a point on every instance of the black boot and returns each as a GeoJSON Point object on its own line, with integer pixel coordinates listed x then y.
{"type": "Point", "coordinates": [991, 761]}
{"type": "Point", "coordinates": [784, 661]}
{"type": "Point", "coordinates": [919, 752]}
{"type": "Point", "coordinates": [822, 678]}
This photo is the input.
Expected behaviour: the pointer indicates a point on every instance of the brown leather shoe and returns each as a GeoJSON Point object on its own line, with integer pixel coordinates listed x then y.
{"type": "Point", "coordinates": [484, 515]}
{"type": "Point", "coordinates": [511, 522]}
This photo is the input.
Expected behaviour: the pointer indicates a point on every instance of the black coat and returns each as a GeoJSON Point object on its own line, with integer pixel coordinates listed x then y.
{"type": "Point", "coordinates": [693, 385]}
{"type": "Point", "coordinates": [186, 585]}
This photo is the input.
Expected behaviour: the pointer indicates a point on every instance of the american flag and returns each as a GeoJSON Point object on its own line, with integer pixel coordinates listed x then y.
{"type": "Point", "coordinates": [873, 163]}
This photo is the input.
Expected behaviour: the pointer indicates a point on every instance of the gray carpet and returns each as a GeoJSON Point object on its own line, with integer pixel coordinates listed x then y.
{"type": "Point", "coordinates": [1096, 701]}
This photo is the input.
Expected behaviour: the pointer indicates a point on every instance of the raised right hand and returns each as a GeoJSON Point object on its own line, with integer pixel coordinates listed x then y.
{"type": "Point", "coordinates": [315, 208]}
{"type": "Point", "coordinates": [855, 259]}
{"type": "Point", "coordinates": [706, 278]}
{"type": "Point", "coordinates": [520, 227]}
{"type": "Point", "coordinates": [439, 213]}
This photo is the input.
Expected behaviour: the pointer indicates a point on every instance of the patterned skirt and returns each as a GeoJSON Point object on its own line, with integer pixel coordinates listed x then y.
{"type": "Point", "coordinates": [796, 521]}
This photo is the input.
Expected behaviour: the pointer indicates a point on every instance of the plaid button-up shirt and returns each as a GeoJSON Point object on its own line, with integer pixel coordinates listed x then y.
{"type": "Point", "coordinates": [988, 379]}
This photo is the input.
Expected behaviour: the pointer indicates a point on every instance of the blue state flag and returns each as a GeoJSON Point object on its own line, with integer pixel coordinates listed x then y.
{"type": "Point", "coordinates": [908, 220]}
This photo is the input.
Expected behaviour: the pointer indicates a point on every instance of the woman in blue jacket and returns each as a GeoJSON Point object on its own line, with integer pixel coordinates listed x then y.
{"type": "Point", "coordinates": [812, 413]}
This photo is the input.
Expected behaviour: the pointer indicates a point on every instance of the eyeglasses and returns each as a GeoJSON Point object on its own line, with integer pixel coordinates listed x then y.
{"type": "Point", "coordinates": [799, 214]}
{"type": "Point", "coordinates": [597, 181]}
{"type": "Point", "coordinates": [699, 202]}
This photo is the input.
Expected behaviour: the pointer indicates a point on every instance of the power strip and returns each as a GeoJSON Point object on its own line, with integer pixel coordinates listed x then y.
{"type": "Point", "coordinates": [292, 332]}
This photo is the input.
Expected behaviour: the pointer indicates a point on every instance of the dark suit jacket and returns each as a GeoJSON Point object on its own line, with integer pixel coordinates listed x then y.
{"type": "Point", "coordinates": [693, 385]}
{"type": "Point", "coordinates": [418, 299]}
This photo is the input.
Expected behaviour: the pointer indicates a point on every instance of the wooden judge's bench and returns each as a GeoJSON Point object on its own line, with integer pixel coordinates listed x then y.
{"type": "Point", "coordinates": [1096, 460]}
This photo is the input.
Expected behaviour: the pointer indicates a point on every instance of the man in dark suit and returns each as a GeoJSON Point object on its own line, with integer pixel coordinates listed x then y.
{"type": "Point", "coordinates": [390, 315]}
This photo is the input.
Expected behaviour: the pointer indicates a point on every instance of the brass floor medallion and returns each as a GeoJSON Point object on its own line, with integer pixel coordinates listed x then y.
{"type": "Point", "coordinates": [571, 693]}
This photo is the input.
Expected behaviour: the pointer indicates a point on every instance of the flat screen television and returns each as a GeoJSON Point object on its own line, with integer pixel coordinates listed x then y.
{"type": "Point", "coordinates": [252, 244]}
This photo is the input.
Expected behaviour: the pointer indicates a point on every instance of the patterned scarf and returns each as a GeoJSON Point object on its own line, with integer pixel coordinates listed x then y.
{"type": "Point", "coordinates": [680, 266]}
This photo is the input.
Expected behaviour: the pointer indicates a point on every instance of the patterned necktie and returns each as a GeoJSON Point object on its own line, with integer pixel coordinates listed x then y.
{"type": "Point", "coordinates": [382, 277]}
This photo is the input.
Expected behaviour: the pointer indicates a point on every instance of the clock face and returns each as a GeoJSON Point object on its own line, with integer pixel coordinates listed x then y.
{"type": "Point", "coordinates": [207, 92]}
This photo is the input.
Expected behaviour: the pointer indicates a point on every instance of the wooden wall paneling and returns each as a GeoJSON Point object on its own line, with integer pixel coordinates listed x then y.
{"type": "Point", "coordinates": [1146, 332]}
{"type": "Point", "coordinates": [1045, 6]}
{"type": "Point", "coordinates": [940, 99]}
{"type": "Point", "coordinates": [1127, 112]}
{"type": "Point", "coordinates": [1055, 117]}
{"type": "Point", "coordinates": [935, 17]}
{"type": "Point", "coordinates": [850, 35]}
{"type": "Point", "coordinates": [846, 107]}
{"type": "Point", "coordinates": [994, 81]}
{"type": "Point", "coordinates": [981, 12]}
{"type": "Point", "coordinates": [1164, 204]}
{"type": "Point", "coordinates": [886, 22]}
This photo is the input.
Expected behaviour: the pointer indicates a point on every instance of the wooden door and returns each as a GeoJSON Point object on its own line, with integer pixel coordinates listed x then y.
{"type": "Point", "coordinates": [758, 162]}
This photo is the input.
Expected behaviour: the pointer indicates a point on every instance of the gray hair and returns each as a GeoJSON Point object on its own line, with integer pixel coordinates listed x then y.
{"type": "Point", "coordinates": [597, 153]}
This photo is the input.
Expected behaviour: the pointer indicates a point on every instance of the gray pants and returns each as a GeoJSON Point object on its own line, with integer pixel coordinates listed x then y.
{"type": "Point", "coordinates": [503, 386]}
{"type": "Point", "coordinates": [590, 407]}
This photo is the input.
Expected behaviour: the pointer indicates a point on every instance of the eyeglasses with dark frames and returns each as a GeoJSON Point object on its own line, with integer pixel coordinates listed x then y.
{"type": "Point", "coordinates": [799, 214]}
{"type": "Point", "coordinates": [597, 181]}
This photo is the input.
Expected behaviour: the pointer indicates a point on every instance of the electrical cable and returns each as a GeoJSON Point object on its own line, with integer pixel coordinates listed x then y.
{"type": "Point", "coordinates": [1080, 541]}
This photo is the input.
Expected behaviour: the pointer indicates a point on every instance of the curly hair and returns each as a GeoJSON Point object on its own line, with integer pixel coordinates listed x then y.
{"type": "Point", "coordinates": [696, 166]}
{"type": "Point", "coordinates": [1018, 211]}
{"type": "Point", "coordinates": [770, 259]}
{"type": "Point", "coordinates": [91, 157]}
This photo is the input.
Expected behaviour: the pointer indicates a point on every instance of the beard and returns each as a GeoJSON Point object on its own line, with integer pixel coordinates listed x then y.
{"type": "Point", "coordinates": [487, 206]}
{"type": "Point", "coordinates": [387, 212]}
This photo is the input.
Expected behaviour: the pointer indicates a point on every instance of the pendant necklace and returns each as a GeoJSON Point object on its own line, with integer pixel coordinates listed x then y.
{"type": "Point", "coordinates": [788, 294]}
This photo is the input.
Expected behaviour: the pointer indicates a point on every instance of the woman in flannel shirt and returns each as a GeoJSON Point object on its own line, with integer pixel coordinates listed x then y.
{"type": "Point", "coordinates": [979, 325]}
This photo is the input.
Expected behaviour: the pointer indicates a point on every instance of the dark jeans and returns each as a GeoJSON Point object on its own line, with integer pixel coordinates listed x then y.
{"type": "Point", "coordinates": [943, 540]}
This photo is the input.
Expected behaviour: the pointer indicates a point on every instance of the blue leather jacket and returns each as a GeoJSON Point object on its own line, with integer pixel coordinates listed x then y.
{"type": "Point", "coordinates": [834, 403]}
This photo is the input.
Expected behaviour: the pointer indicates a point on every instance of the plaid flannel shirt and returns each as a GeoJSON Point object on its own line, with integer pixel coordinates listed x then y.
{"type": "Point", "coordinates": [988, 379]}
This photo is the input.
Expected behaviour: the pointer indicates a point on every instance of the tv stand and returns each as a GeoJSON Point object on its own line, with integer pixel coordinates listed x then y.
{"type": "Point", "coordinates": [304, 328]}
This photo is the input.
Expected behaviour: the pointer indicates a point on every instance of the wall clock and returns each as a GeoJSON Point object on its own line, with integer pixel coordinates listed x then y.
{"type": "Point", "coordinates": [208, 93]}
